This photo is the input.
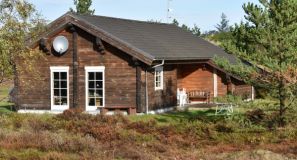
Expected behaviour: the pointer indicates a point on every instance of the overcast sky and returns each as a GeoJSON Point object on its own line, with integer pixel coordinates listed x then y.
{"type": "Point", "coordinates": [204, 13]}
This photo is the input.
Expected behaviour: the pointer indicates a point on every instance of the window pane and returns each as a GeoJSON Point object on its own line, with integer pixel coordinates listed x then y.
{"type": "Point", "coordinates": [63, 75]}
{"type": "Point", "coordinates": [56, 84]}
{"type": "Point", "coordinates": [99, 93]}
{"type": "Point", "coordinates": [158, 84]}
{"type": "Point", "coordinates": [91, 76]}
{"type": "Point", "coordinates": [63, 84]}
{"type": "Point", "coordinates": [159, 73]}
{"type": "Point", "coordinates": [98, 84]}
{"type": "Point", "coordinates": [91, 84]}
{"type": "Point", "coordinates": [91, 93]}
{"type": "Point", "coordinates": [98, 75]}
{"type": "Point", "coordinates": [56, 92]}
{"type": "Point", "coordinates": [57, 101]}
{"type": "Point", "coordinates": [64, 101]}
{"type": "Point", "coordinates": [64, 92]}
{"type": "Point", "coordinates": [91, 101]}
{"type": "Point", "coordinates": [157, 79]}
{"type": "Point", "coordinates": [56, 75]}
{"type": "Point", "coordinates": [99, 102]}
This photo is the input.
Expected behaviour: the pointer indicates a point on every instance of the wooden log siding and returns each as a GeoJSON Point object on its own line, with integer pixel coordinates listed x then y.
{"type": "Point", "coordinates": [242, 89]}
{"type": "Point", "coordinates": [120, 81]}
{"type": "Point", "coordinates": [200, 77]}
{"type": "Point", "coordinates": [158, 99]}
{"type": "Point", "coordinates": [222, 84]}
{"type": "Point", "coordinates": [196, 77]}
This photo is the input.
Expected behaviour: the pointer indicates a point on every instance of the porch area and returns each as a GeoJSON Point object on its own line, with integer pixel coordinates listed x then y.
{"type": "Point", "coordinates": [197, 83]}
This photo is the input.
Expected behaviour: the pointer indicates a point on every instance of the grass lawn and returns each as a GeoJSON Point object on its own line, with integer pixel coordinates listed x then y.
{"type": "Point", "coordinates": [175, 117]}
{"type": "Point", "coordinates": [5, 106]}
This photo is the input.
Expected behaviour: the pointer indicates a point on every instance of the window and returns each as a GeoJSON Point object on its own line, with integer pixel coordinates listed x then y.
{"type": "Point", "coordinates": [94, 87]}
{"type": "Point", "coordinates": [59, 88]}
{"type": "Point", "coordinates": [159, 78]}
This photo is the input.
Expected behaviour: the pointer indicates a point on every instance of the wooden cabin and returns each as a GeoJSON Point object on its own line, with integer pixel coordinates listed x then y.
{"type": "Point", "coordinates": [117, 63]}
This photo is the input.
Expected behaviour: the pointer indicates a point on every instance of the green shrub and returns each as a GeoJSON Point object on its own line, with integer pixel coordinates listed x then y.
{"type": "Point", "coordinates": [264, 104]}
{"type": "Point", "coordinates": [229, 99]}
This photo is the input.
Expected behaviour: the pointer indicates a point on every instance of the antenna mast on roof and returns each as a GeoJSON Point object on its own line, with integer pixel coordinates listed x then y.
{"type": "Point", "coordinates": [169, 10]}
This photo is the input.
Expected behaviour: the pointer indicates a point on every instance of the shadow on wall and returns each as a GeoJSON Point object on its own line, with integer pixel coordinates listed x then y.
{"type": "Point", "coordinates": [167, 97]}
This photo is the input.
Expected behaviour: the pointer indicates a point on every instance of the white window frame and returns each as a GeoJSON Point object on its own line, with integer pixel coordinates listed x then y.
{"type": "Point", "coordinates": [94, 69]}
{"type": "Point", "coordinates": [59, 69]}
{"type": "Point", "coordinates": [215, 83]}
{"type": "Point", "coordinates": [159, 69]}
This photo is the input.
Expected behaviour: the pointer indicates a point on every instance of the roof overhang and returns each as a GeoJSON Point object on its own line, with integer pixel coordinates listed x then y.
{"type": "Point", "coordinates": [208, 61]}
{"type": "Point", "coordinates": [62, 23]}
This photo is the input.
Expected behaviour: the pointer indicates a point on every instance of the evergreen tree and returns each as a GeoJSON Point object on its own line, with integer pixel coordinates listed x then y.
{"type": "Point", "coordinates": [223, 26]}
{"type": "Point", "coordinates": [195, 30]}
{"type": "Point", "coordinates": [175, 22]}
{"type": "Point", "coordinates": [268, 40]}
{"type": "Point", "coordinates": [83, 7]}
{"type": "Point", "coordinates": [186, 28]}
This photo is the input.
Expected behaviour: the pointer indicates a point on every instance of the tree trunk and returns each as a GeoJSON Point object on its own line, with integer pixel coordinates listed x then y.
{"type": "Point", "coordinates": [282, 101]}
{"type": "Point", "coordinates": [15, 93]}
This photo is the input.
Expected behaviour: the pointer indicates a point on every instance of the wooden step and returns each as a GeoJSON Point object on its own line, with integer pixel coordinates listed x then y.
{"type": "Point", "coordinates": [130, 110]}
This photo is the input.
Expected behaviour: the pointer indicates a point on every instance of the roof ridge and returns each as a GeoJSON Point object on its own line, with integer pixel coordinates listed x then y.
{"type": "Point", "coordinates": [124, 19]}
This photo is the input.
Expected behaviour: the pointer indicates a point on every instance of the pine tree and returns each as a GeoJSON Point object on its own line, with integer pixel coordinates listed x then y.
{"type": "Point", "coordinates": [175, 22]}
{"type": "Point", "coordinates": [186, 28]}
{"type": "Point", "coordinates": [83, 7]}
{"type": "Point", "coordinates": [196, 30]}
{"type": "Point", "coordinates": [268, 41]}
{"type": "Point", "coordinates": [223, 26]}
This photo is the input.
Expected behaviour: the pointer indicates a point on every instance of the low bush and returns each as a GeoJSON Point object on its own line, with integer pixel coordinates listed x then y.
{"type": "Point", "coordinates": [256, 116]}
{"type": "Point", "coordinates": [223, 127]}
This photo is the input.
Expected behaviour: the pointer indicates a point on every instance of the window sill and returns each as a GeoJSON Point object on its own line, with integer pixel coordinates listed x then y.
{"type": "Point", "coordinates": [158, 89]}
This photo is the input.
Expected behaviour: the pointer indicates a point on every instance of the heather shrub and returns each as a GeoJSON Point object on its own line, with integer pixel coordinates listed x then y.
{"type": "Point", "coordinates": [256, 116]}
{"type": "Point", "coordinates": [148, 127]}
{"type": "Point", "coordinates": [75, 135]}
{"type": "Point", "coordinates": [59, 156]}
{"type": "Point", "coordinates": [128, 152]}
{"type": "Point", "coordinates": [116, 119]}
{"type": "Point", "coordinates": [24, 154]}
{"type": "Point", "coordinates": [134, 136]}
{"type": "Point", "coordinates": [73, 114]}
{"type": "Point", "coordinates": [223, 127]}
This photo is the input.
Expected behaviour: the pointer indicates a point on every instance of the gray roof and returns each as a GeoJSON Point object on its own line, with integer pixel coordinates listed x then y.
{"type": "Point", "coordinates": [157, 40]}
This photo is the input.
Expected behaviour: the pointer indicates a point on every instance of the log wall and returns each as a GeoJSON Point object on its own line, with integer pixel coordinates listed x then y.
{"type": "Point", "coordinates": [120, 82]}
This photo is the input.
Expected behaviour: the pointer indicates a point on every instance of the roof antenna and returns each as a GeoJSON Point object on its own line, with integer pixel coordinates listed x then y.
{"type": "Point", "coordinates": [169, 10]}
